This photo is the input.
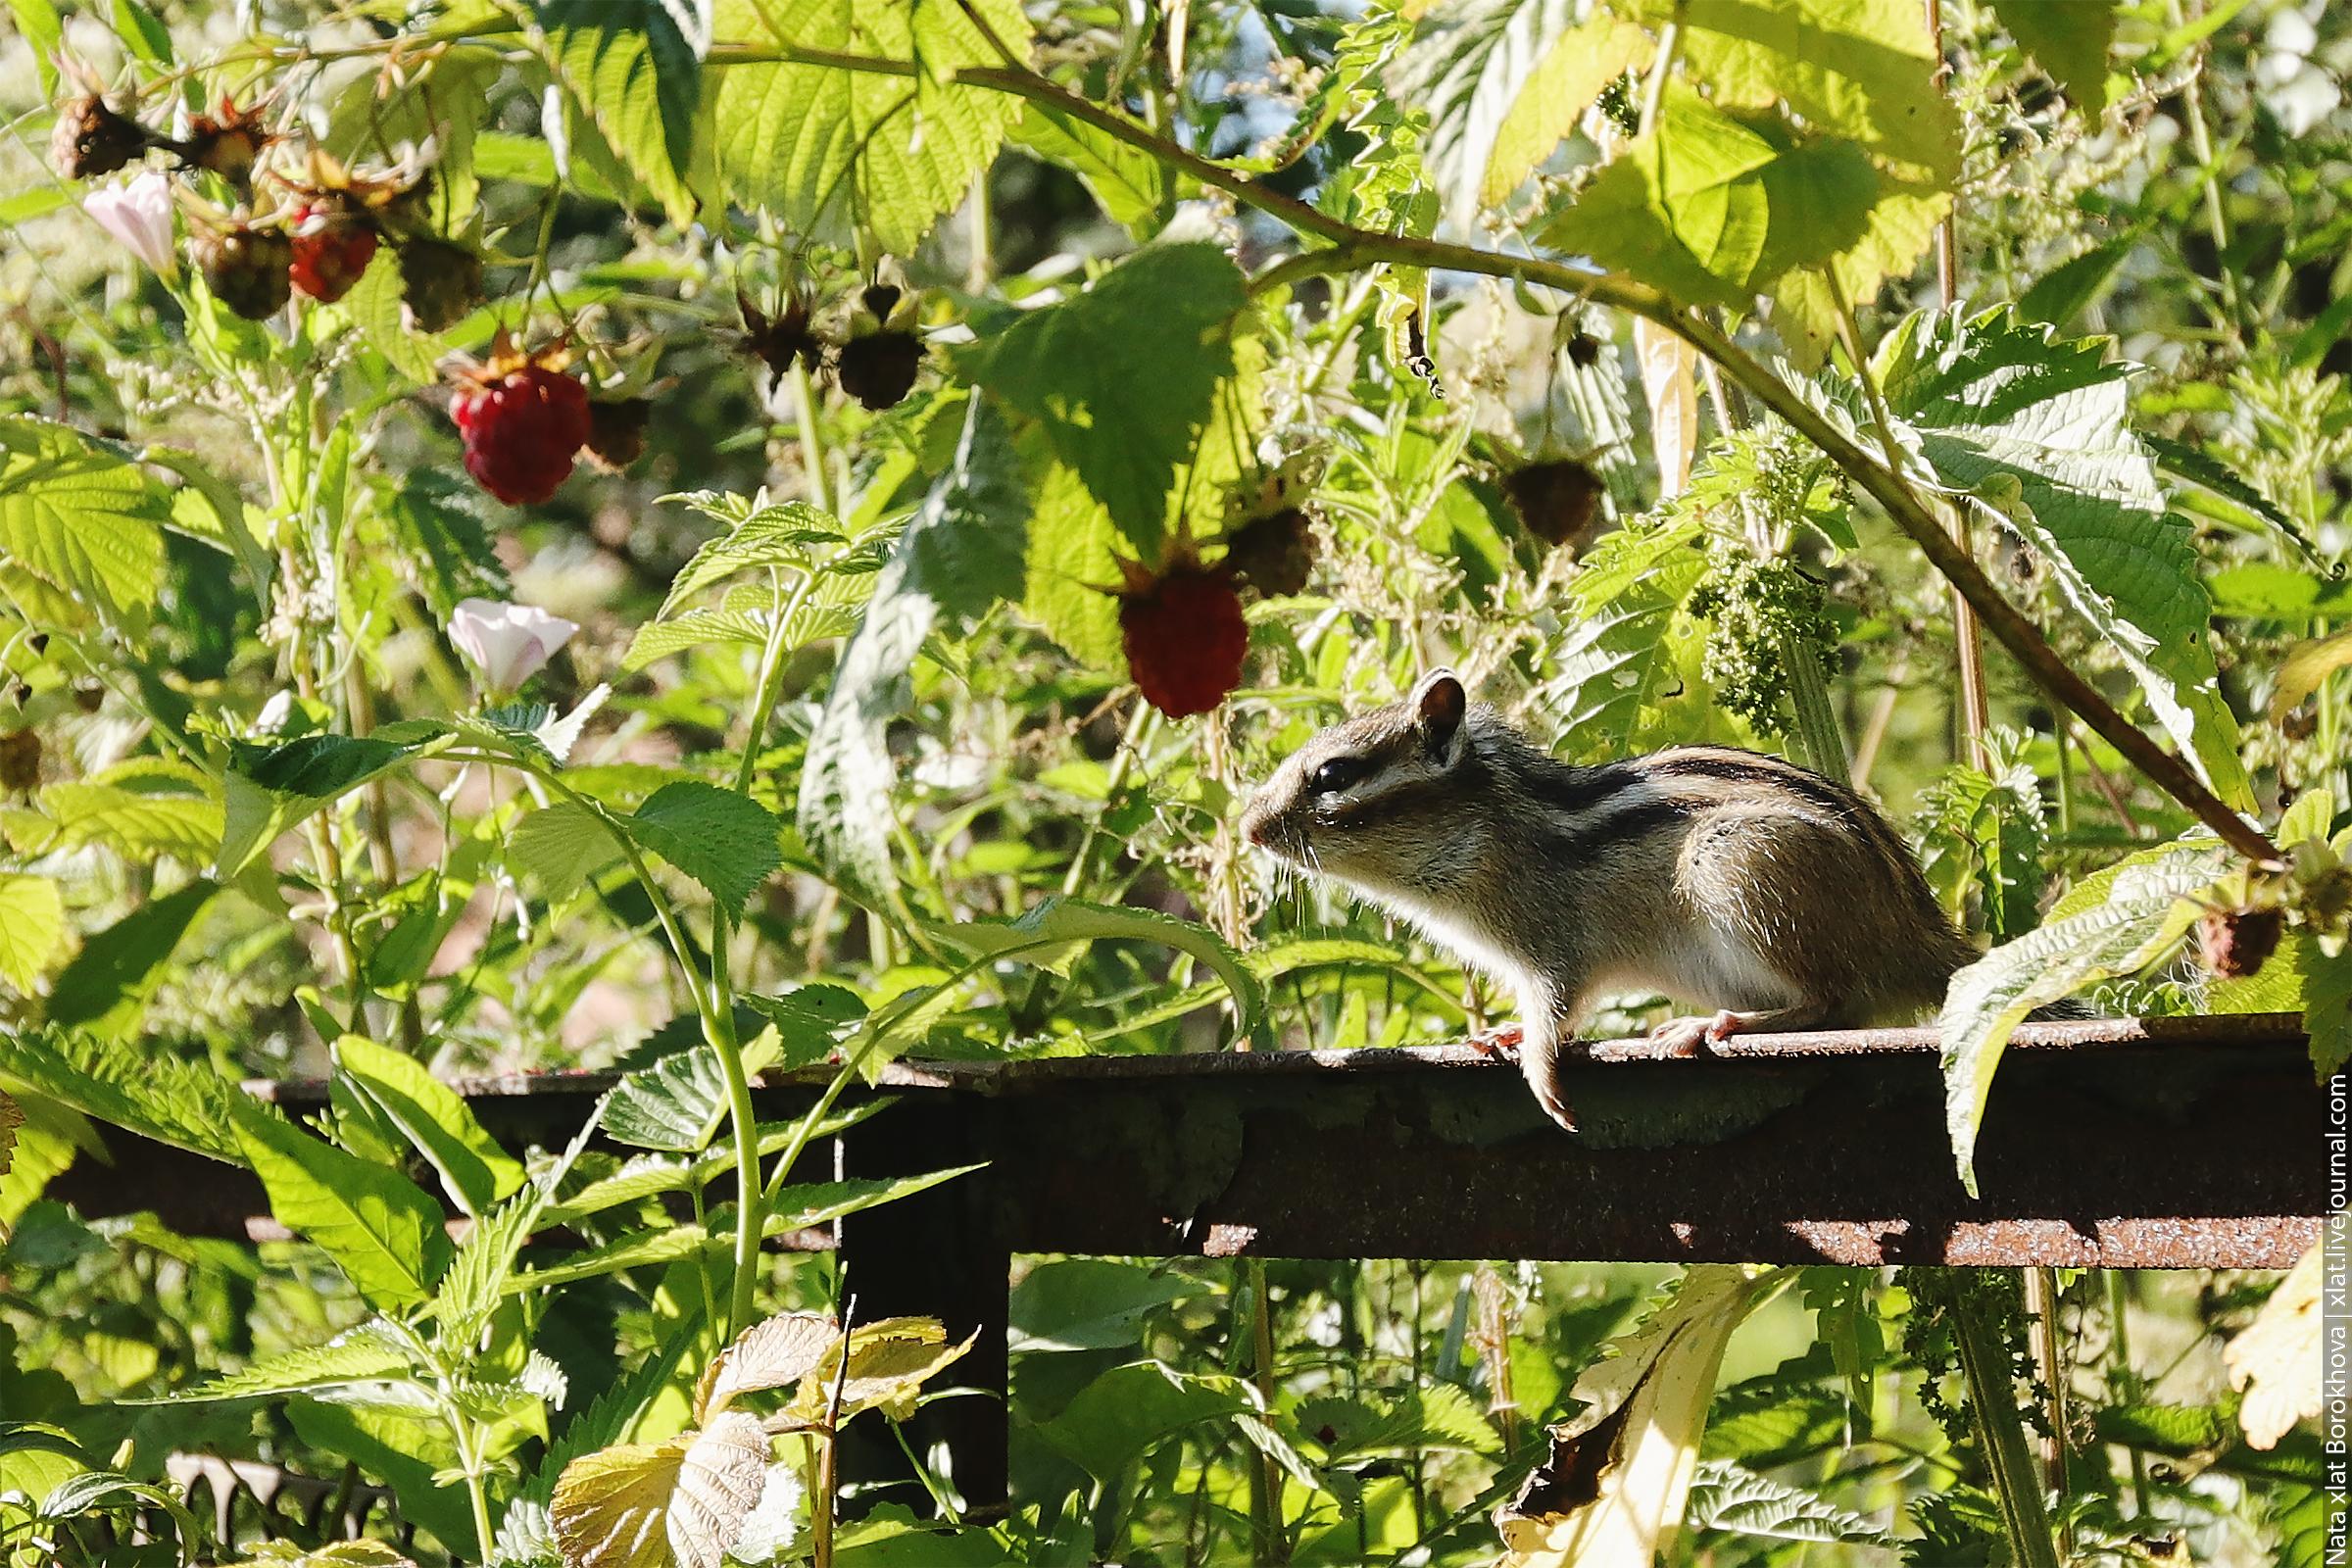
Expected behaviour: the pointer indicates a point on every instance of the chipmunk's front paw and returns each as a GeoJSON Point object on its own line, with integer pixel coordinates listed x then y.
{"type": "Point", "coordinates": [1688, 1037]}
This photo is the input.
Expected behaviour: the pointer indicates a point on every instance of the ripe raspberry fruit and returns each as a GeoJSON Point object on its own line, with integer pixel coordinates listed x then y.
{"type": "Point", "coordinates": [331, 251]}
{"type": "Point", "coordinates": [248, 269]}
{"type": "Point", "coordinates": [1556, 502]}
{"type": "Point", "coordinates": [1274, 553]}
{"type": "Point", "coordinates": [1185, 638]}
{"type": "Point", "coordinates": [440, 284]}
{"type": "Point", "coordinates": [92, 139]}
{"type": "Point", "coordinates": [616, 432]}
{"type": "Point", "coordinates": [524, 420]}
{"type": "Point", "coordinates": [2237, 943]}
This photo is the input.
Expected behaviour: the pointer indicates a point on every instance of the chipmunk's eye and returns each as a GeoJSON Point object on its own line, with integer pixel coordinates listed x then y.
{"type": "Point", "coordinates": [1336, 774]}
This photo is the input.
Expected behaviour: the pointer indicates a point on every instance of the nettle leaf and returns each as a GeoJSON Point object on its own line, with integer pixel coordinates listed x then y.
{"type": "Point", "coordinates": [107, 985]}
{"type": "Point", "coordinates": [364, 1354]}
{"type": "Point", "coordinates": [748, 617]}
{"type": "Point", "coordinates": [815, 144]}
{"type": "Point", "coordinates": [1131, 185]}
{"type": "Point", "coordinates": [648, 1505]}
{"type": "Point", "coordinates": [960, 555]}
{"type": "Point", "coordinates": [636, 67]}
{"type": "Point", "coordinates": [1065, 925]}
{"type": "Point", "coordinates": [2036, 432]}
{"type": "Point", "coordinates": [675, 1104]}
{"type": "Point", "coordinates": [2069, 42]}
{"type": "Point", "coordinates": [1090, 1304]}
{"type": "Point", "coordinates": [759, 533]}
{"type": "Point", "coordinates": [2326, 1004]}
{"type": "Point", "coordinates": [185, 1105]}
{"type": "Point", "coordinates": [1127, 1410]}
{"type": "Point", "coordinates": [2112, 924]}
{"type": "Point", "coordinates": [269, 788]}
{"type": "Point", "coordinates": [379, 1226]}
{"type": "Point", "coordinates": [1503, 81]}
{"type": "Point", "coordinates": [32, 926]}
{"type": "Point", "coordinates": [722, 840]}
{"type": "Point", "coordinates": [1716, 208]}
{"type": "Point", "coordinates": [1725, 1497]}
{"type": "Point", "coordinates": [78, 517]}
{"type": "Point", "coordinates": [474, 1171]}
{"type": "Point", "coordinates": [1624, 595]}
{"type": "Point", "coordinates": [1124, 376]}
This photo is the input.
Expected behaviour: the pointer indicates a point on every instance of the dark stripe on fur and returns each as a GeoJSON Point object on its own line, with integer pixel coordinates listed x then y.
{"type": "Point", "coordinates": [1754, 769]}
{"type": "Point", "coordinates": [1627, 826]}
{"type": "Point", "coordinates": [1571, 791]}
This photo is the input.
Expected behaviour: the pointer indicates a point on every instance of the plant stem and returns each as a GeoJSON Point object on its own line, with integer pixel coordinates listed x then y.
{"type": "Point", "coordinates": [1993, 1401]}
{"type": "Point", "coordinates": [812, 440]}
{"type": "Point", "coordinates": [1273, 1542]}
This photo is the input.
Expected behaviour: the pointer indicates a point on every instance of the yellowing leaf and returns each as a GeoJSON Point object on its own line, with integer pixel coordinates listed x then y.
{"type": "Point", "coordinates": [610, 1508]}
{"type": "Point", "coordinates": [2306, 664]}
{"type": "Point", "coordinates": [889, 1361]}
{"type": "Point", "coordinates": [1586, 59]}
{"type": "Point", "coordinates": [2276, 1359]}
{"type": "Point", "coordinates": [32, 922]}
{"type": "Point", "coordinates": [1669, 380]}
{"type": "Point", "coordinates": [720, 1482]}
{"type": "Point", "coordinates": [766, 1355]}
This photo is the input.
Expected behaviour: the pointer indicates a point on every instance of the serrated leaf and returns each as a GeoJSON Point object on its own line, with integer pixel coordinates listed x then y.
{"type": "Point", "coordinates": [644, 1176]}
{"type": "Point", "coordinates": [1129, 184]}
{"type": "Point", "coordinates": [110, 979]}
{"type": "Point", "coordinates": [32, 925]}
{"type": "Point", "coordinates": [1070, 564]}
{"type": "Point", "coordinates": [815, 144]}
{"type": "Point", "coordinates": [638, 73]}
{"type": "Point", "coordinates": [1071, 367]}
{"type": "Point", "coordinates": [1057, 921]}
{"type": "Point", "coordinates": [647, 1505]}
{"type": "Point", "coordinates": [2201, 469]}
{"type": "Point", "coordinates": [675, 1104]}
{"type": "Point", "coordinates": [1125, 1411]}
{"type": "Point", "coordinates": [1090, 1304]}
{"type": "Point", "coordinates": [889, 1361]}
{"type": "Point", "coordinates": [2143, 910]}
{"type": "Point", "coordinates": [2069, 41]}
{"type": "Point", "coordinates": [2326, 1006]}
{"type": "Point", "coordinates": [157, 1096]}
{"type": "Point", "coordinates": [474, 1171]}
{"type": "Point", "coordinates": [1725, 1497]}
{"type": "Point", "coordinates": [373, 304]}
{"type": "Point", "coordinates": [441, 523]}
{"type": "Point", "coordinates": [560, 847]}
{"type": "Point", "coordinates": [77, 517]}
{"type": "Point", "coordinates": [2037, 430]}
{"type": "Point", "coordinates": [1440, 1416]}
{"type": "Point", "coordinates": [269, 788]}
{"type": "Point", "coordinates": [379, 1226]}
{"type": "Point", "coordinates": [770, 1355]}
{"type": "Point", "coordinates": [722, 840]}
{"type": "Point", "coordinates": [135, 822]}
{"type": "Point", "coordinates": [1864, 70]}
{"type": "Point", "coordinates": [364, 1354]}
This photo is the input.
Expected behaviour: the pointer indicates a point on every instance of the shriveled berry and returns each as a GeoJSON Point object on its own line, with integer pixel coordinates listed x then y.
{"type": "Point", "coordinates": [1274, 553]}
{"type": "Point", "coordinates": [331, 252]}
{"type": "Point", "coordinates": [1186, 640]}
{"type": "Point", "coordinates": [248, 269]}
{"type": "Point", "coordinates": [440, 284]}
{"type": "Point", "coordinates": [2238, 943]}
{"type": "Point", "coordinates": [878, 369]}
{"type": "Point", "coordinates": [227, 143]}
{"type": "Point", "coordinates": [779, 341]}
{"type": "Point", "coordinates": [522, 431]}
{"type": "Point", "coordinates": [1556, 502]}
{"type": "Point", "coordinates": [1584, 351]}
{"type": "Point", "coordinates": [92, 139]}
{"type": "Point", "coordinates": [21, 761]}
{"type": "Point", "coordinates": [616, 432]}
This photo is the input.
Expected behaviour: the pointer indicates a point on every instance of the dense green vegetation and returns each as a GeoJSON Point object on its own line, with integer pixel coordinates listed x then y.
{"type": "Point", "coordinates": [638, 535]}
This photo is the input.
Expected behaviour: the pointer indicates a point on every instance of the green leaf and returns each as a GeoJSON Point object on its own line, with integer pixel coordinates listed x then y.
{"type": "Point", "coordinates": [78, 517]}
{"type": "Point", "coordinates": [1090, 1304]}
{"type": "Point", "coordinates": [2069, 41]}
{"type": "Point", "coordinates": [1059, 922]}
{"type": "Point", "coordinates": [373, 306]}
{"type": "Point", "coordinates": [1864, 69]}
{"type": "Point", "coordinates": [442, 525]}
{"type": "Point", "coordinates": [2326, 1004]}
{"type": "Point", "coordinates": [758, 534]}
{"type": "Point", "coordinates": [107, 985]}
{"type": "Point", "coordinates": [474, 1171]}
{"type": "Point", "coordinates": [37, 21]}
{"type": "Point", "coordinates": [2140, 911]}
{"type": "Point", "coordinates": [1725, 1497]}
{"type": "Point", "coordinates": [1440, 1416]}
{"type": "Point", "coordinates": [143, 33]}
{"type": "Point", "coordinates": [1131, 185]}
{"type": "Point", "coordinates": [1073, 368]}
{"type": "Point", "coordinates": [718, 837]}
{"type": "Point", "coordinates": [815, 144]}
{"type": "Point", "coordinates": [2201, 469]}
{"type": "Point", "coordinates": [677, 1102]}
{"type": "Point", "coordinates": [271, 788]}
{"type": "Point", "coordinates": [138, 816]}
{"type": "Point", "coordinates": [379, 1226]}
{"type": "Point", "coordinates": [638, 75]}
{"type": "Point", "coordinates": [616, 1410]}
{"type": "Point", "coordinates": [960, 555]}
{"type": "Point", "coordinates": [32, 924]}
{"type": "Point", "coordinates": [746, 617]}
{"type": "Point", "coordinates": [1777, 1425]}
{"type": "Point", "coordinates": [1119, 1415]}
{"type": "Point", "coordinates": [1071, 565]}
{"type": "Point", "coordinates": [157, 1096]}
{"type": "Point", "coordinates": [364, 1354]}
{"type": "Point", "coordinates": [560, 847]}
{"type": "Point", "coordinates": [2068, 289]}
{"type": "Point", "coordinates": [445, 93]}
{"type": "Point", "coordinates": [1623, 598]}
{"type": "Point", "coordinates": [2036, 430]}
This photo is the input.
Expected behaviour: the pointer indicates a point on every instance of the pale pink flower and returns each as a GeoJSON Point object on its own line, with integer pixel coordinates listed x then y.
{"type": "Point", "coordinates": [139, 214]}
{"type": "Point", "coordinates": [508, 643]}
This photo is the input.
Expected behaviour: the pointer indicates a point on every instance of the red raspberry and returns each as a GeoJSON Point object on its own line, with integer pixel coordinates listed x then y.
{"type": "Point", "coordinates": [331, 252]}
{"type": "Point", "coordinates": [1186, 639]}
{"type": "Point", "coordinates": [522, 426]}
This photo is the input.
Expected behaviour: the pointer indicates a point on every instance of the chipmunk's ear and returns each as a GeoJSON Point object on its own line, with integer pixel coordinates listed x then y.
{"type": "Point", "coordinates": [1438, 704]}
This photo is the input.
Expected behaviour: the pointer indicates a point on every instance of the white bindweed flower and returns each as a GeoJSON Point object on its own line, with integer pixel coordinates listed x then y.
{"type": "Point", "coordinates": [139, 214]}
{"type": "Point", "coordinates": [508, 643]}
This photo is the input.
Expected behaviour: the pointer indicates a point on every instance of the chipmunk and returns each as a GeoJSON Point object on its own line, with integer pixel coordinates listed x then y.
{"type": "Point", "coordinates": [1726, 878]}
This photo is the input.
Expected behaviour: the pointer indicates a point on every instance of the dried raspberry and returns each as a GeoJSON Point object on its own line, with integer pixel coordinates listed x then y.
{"type": "Point", "coordinates": [247, 269]}
{"type": "Point", "coordinates": [21, 761]}
{"type": "Point", "coordinates": [440, 284]}
{"type": "Point", "coordinates": [2238, 943]}
{"type": "Point", "coordinates": [1274, 553]}
{"type": "Point", "coordinates": [616, 432]}
{"type": "Point", "coordinates": [1584, 351]}
{"type": "Point", "coordinates": [778, 342]}
{"type": "Point", "coordinates": [331, 251]}
{"type": "Point", "coordinates": [227, 143]}
{"type": "Point", "coordinates": [878, 369]}
{"type": "Point", "coordinates": [92, 139]}
{"type": "Point", "coordinates": [1185, 639]}
{"type": "Point", "coordinates": [524, 420]}
{"type": "Point", "coordinates": [1556, 502]}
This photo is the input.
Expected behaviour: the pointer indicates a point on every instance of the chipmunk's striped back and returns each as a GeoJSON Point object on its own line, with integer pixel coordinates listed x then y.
{"type": "Point", "coordinates": [1738, 881]}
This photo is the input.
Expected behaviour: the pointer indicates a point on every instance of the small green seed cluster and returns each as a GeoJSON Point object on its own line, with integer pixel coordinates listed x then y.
{"type": "Point", "coordinates": [1755, 608]}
